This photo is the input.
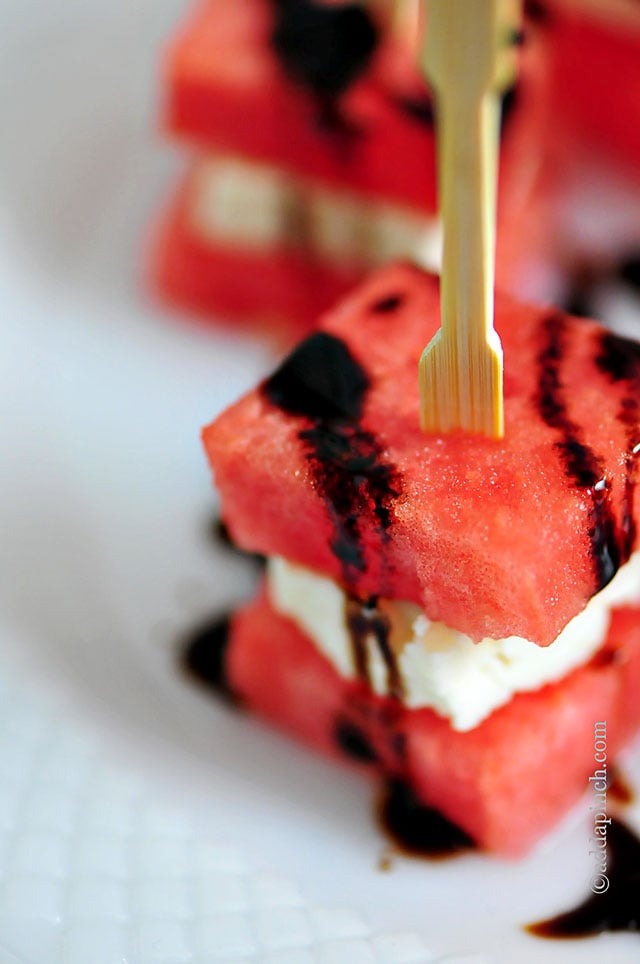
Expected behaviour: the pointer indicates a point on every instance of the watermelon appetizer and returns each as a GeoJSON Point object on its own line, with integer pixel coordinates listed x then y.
{"type": "Point", "coordinates": [314, 158]}
{"type": "Point", "coordinates": [450, 611]}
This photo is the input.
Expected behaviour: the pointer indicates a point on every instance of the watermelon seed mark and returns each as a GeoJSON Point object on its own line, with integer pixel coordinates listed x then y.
{"type": "Point", "coordinates": [387, 304]}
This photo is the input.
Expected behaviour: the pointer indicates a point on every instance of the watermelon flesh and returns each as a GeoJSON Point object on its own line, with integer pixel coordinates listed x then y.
{"type": "Point", "coordinates": [228, 94]}
{"type": "Point", "coordinates": [594, 57]}
{"type": "Point", "coordinates": [506, 783]}
{"type": "Point", "coordinates": [491, 538]}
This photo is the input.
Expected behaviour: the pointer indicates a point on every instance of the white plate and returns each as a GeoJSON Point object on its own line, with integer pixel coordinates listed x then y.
{"type": "Point", "coordinates": [139, 820]}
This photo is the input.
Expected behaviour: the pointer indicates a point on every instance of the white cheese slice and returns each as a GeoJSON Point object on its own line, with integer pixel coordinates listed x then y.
{"type": "Point", "coordinates": [240, 202]}
{"type": "Point", "coordinates": [440, 667]}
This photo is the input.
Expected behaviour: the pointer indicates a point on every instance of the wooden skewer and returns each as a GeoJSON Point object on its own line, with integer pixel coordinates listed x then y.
{"type": "Point", "coordinates": [461, 368]}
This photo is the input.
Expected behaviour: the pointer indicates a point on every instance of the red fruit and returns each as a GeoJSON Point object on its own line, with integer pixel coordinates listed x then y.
{"type": "Point", "coordinates": [493, 538]}
{"type": "Point", "coordinates": [506, 783]}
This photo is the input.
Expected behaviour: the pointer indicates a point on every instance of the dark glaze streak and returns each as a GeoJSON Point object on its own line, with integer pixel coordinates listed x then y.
{"type": "Point", "coordinates": [618, 908]}
{"type": "Point", "coordinates": [508, 104]}
{"type": "Point", "coordinates": [619, 359]}
{"type": "Point", "coordinates": [629, 272]}
{"type": "Point", "coordinates": [353, 741]}
{"type": "Point", "coordinates": [359, 629]}
{"type": "Point", "coordinates": [203, 656]}
{"type": "Point", "coordinates": [354, 482]}
{"type": "Point", "coordinates": [583, 467]}
{"type": "Point", "coordinates": [218, 532]}
{"type": "Point", "coordinates": [320, 379]}
{"type": "Point", "coordinates": [322, 382]}
{"type": "Point", "coordinates": [578, 298]}
{"type": "Point", "coordinates": [418, 830]}
{"type": "Point", "coordinates": [323, 47]}
{"type": "Point", "coordinates": [365, 622]}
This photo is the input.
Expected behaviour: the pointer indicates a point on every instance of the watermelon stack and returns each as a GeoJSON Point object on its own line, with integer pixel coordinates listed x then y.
{"type": "Point", "coordinates": [313, 158]}
{"type": "Point", "coordinates": [325, 466]}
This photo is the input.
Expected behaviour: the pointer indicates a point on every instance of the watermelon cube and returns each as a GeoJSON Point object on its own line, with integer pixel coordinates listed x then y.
{"type": "Point", "coordinates": [506, 783]}
{"type": "Point", "coordinates": [405, 552]}
{"type": "Point", "coordinates": [445, 522]}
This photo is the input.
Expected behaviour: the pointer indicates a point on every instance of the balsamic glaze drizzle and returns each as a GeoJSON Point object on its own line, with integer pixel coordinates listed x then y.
{"type": "Point", "coordinates": [203, 656]}
{"type": "Point", "coordinates": [322, 382]}
{"type": "Point", "coordinates": [583, 467]}
{"type": "Point", "coordinates": [323, 47]}
{"type": "Point", "coordinates": [578, 299]}
{"type": "Point", "coordinates": [416, 829]}
{"type": "Point", "coordinates": [629, 271]}
{"type": "Point", "coordinates": [619, 359]}
{"type": "Point", "coordinates": [353, 741]}
{"type": "Point", "coordinates": [365, 622]}
{"type": "Point", "coordinates": [618, 908]}
{"type": "Point", "coordinates": [320, 379]}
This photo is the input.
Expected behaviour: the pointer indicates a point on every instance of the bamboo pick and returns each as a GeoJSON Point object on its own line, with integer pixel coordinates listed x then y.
{"type": "Point", "coordinates": [461, 368]}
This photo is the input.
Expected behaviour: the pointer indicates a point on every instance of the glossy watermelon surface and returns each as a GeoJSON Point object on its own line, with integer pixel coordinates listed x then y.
{"type": "Point", "coordinates": [325, 464]}
{"type": "Point", "coordinates": [506, 783]}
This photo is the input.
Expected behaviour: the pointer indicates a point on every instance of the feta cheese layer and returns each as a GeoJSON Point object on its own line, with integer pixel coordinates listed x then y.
{"type": "Point", "coordinates": [440, 667]}
{"type": "Point", "coordinates": [237, 201]}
